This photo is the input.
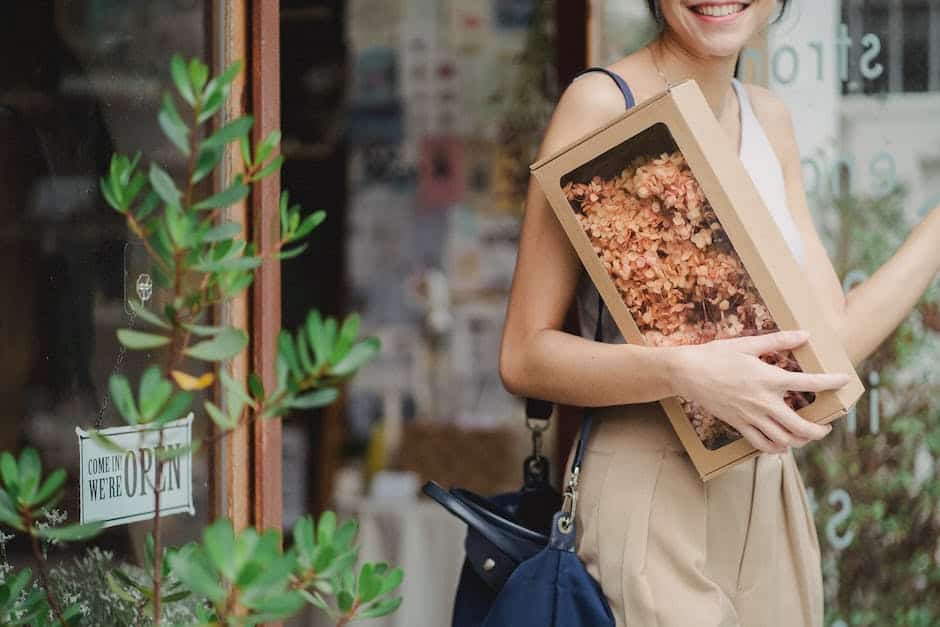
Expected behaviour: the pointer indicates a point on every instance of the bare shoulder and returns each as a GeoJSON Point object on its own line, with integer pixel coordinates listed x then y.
{"type": "Point", "coordinates": [588, 102]}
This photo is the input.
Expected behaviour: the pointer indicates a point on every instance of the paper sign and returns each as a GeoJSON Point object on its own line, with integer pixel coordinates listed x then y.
{"type": "Point", "coordinates": [118, 488]}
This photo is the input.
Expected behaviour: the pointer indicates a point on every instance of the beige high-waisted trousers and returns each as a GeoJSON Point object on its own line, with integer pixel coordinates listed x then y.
{"type": "Point", "coordinates": [670, 550]}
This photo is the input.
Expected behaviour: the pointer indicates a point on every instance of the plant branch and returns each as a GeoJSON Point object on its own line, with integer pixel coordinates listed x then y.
{"type": "Point", "coordinates": [139, 231]}
{"type": "Point", "coordinates": [41, 565]}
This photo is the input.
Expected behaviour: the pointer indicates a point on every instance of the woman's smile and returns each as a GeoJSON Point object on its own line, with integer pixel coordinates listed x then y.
{"type": "Point", "coordinates": [720, 12]}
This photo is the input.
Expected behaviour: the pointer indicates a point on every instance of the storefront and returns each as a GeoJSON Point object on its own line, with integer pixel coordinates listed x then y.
{"type": "Point", "coordinates": [412, 125]}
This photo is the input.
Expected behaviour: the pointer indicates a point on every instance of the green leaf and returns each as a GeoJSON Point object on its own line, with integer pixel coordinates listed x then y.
{"type": "Point", "coordinates": [206, 161]}
{"type": "Point", "coordinates": [346, 533]}
{"type": "Point", "coordinates": [30, 470]}
{"type": "Point", "coordinates": [380, 608]}
{"type": "Point", "coordinates": [8, 512]}
{"type": "Point", "coordinates": [203, 330]}
{"type": "Point", "coordinates": [179, 225]}
{"type": "Point", "coordinates": [71, 533]}
{"type": "Point", "coordinates": [285, 346]}
{"type": "Point", "coordinates": [163, 184]}
{"type": "Point", "coordinates": [177, 407]}
{"type": "Point", "coordinates": [226, 230]}
{"type": "Point", "coordinates": [326, 527]}
{"type": "Point", "coordinates": [344, 600]}
{"type": "Point", "coordinates": [154, 392]}
{"type": "Point", "coordinates": [290, 253]}
{"type": "Point", "coordinates": [244, 146]}
{"type": "Point", "coordinates": [173, 126]}
{"type": "Point", "coordinates": [150, 202]}
{"type": "Point", "coordinates": [268, 144]}
{"type": "Point", "coordinates": [235, 388]}
{"type": "Point", "coordinates": [218, 417]}
{"type": "Point", "coordinates": [148, 316]}
{"type": "Point", "coordinates": [256, 386]}
{"type": "Point", "coordinates": [219, 540]}
{"type": "Point", "coordinates": [311, 400]}
{"type": "Point", "coordinates": [303, 353]}
{"type": "Point", "coordinates": [119, 589]}
{"type": "Point", "coordinates": [49, 487]}
{"type": "Point", "coordinates": [198, 74]}
{"type": "Point", "coordinates": [310, 222]}
{"type": "Point", "coordinates": [235, 193]}
{"type": "Point", "coordinates": [303, 536]}
{"type": "Point", "coordinates": [8, 470]}
{"type": "Point", "coordinates": [347, 335]}
{"type": "Point", "coordinates": [137, 183]}
{"type": "Point", "coordinates": [192, 567]}
{"type": "Point", "coordinates": [123, 398]}
{"type": "Point", "coordinates": [316, 336]}
{"type": "Point", "coordinates": [181, 79]}
{"type": "Point", "coordinates": [358, 356]}
{"type": "Point", "coordinates": [230, 132]}
{"type": "Point", "coordinates": [369, 584]}
{"type": "Point", "coordinates": [138, 340]}
{"type": "Point", "coordinates": [106, 442]}
{"type": "Point", "coordinates": [269, 169]}
{"type": "Point", "coordinates": [17, 583]}
{"type": "Point", "coordinates": [104, 185]}
{"type": "Point", "coordinates": [391, 581]}
{"type": "Point", "coordinates": [223, 346]}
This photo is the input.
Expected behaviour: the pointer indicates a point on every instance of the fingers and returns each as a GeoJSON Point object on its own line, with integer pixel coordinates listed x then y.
{"type": "Point", "coordinates": [769, 342]}
{"type": "Point", "coordinates": [796, 425]}
{"type": "Point", "coordinates": [811, 382]}
{"type": "Point", "coordinates": [758, 440]}
{"type": "Point", "coordinates": [778, 436]}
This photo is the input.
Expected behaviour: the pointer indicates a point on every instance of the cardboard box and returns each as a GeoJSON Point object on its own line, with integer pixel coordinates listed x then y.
{"type": "Point", "coordinates": [662, 212]}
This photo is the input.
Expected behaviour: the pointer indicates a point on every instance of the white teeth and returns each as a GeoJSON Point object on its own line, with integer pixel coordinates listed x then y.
{"type": "Point", "coordinates": [718, 10]}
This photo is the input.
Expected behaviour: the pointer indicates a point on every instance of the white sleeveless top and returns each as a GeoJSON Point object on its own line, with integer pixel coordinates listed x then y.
{"type": "Point", "coordinates": [762, 165]}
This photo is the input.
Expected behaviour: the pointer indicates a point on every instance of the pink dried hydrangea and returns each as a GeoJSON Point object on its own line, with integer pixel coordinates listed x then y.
{"type": "Point", "coordinates": [683, 283]}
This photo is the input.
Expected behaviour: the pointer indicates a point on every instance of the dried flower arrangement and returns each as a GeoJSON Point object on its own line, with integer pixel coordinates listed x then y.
{"type": "Point", "coordinates": [675, 268]}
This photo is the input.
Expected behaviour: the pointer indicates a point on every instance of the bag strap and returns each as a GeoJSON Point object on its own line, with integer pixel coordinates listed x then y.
{"type": "Point", "coordinates": [570, 503]}
{"type": "Point", "coordinates": [621, 83]}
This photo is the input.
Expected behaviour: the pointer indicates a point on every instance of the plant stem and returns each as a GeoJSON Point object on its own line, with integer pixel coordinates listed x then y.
{"type": "Point", "coordinates": [178, 342]}
{"type": "Point", "coordinates": [157, 548]}
{"type": "Point", "coordinates": [347, 617]}
{"type": "Point", "coordinates": [43, 575]}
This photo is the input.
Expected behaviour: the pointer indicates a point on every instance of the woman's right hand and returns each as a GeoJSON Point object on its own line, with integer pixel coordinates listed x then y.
{"type": "Point", "coordinates": [730, 381]}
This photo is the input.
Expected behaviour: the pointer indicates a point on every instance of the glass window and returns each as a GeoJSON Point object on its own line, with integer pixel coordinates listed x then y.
{"type": "Point", "coordinates": [80, 79]}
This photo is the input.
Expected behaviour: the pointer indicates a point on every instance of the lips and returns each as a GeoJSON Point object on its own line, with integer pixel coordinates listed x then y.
{"type": "Point", "coordinates": [718, 10]}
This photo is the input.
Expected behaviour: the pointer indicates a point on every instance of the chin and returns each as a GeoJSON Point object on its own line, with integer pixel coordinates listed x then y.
{"type": "Point", "coordinates": [716, 28]}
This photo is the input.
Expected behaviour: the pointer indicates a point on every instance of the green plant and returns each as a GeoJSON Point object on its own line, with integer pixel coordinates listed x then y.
{"type": "Point", "coordinates": [886, 462]}
{"type": "Point", "coordinates": [201, 261]}
{"type": "Point", "coordinates": [25, 499]}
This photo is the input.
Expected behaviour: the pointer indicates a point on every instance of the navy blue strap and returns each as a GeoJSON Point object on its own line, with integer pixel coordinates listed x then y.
{"type": "Point", "coordinates": [622, 84]}
{"type": "Point", "coordinates": [598, 335]}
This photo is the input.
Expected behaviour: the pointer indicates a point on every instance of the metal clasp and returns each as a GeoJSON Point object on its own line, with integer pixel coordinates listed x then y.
{"type": "Point", "coordinates": [537, 427]}
{"type": "Point", "coordinates": [569, 505]}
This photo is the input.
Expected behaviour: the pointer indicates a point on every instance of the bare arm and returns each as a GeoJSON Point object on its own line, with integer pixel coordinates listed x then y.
{"type": "Point", "coordinates": [873, 309]}
{"type": "Point", "coordinates": [537, 359]}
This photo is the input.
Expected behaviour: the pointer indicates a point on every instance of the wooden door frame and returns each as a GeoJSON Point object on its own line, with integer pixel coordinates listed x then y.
{"type": "Point", "coordinates": [246, 477]}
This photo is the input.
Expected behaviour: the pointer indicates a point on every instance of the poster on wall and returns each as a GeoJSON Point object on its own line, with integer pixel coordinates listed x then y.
{"type": "Point", "coordinates": [440, 172]}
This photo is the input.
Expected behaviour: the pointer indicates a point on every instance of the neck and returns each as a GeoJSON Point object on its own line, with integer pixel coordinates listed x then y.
{"type": "Point", "coordinates": [713, 74]}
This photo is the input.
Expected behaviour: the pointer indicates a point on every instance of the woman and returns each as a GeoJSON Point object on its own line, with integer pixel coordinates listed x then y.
{"type": "Point", "coordinates": [666, 548]}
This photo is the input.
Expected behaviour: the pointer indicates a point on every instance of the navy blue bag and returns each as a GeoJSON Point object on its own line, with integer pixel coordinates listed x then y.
{"type": "Point", "coordinates": [515, 575]}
